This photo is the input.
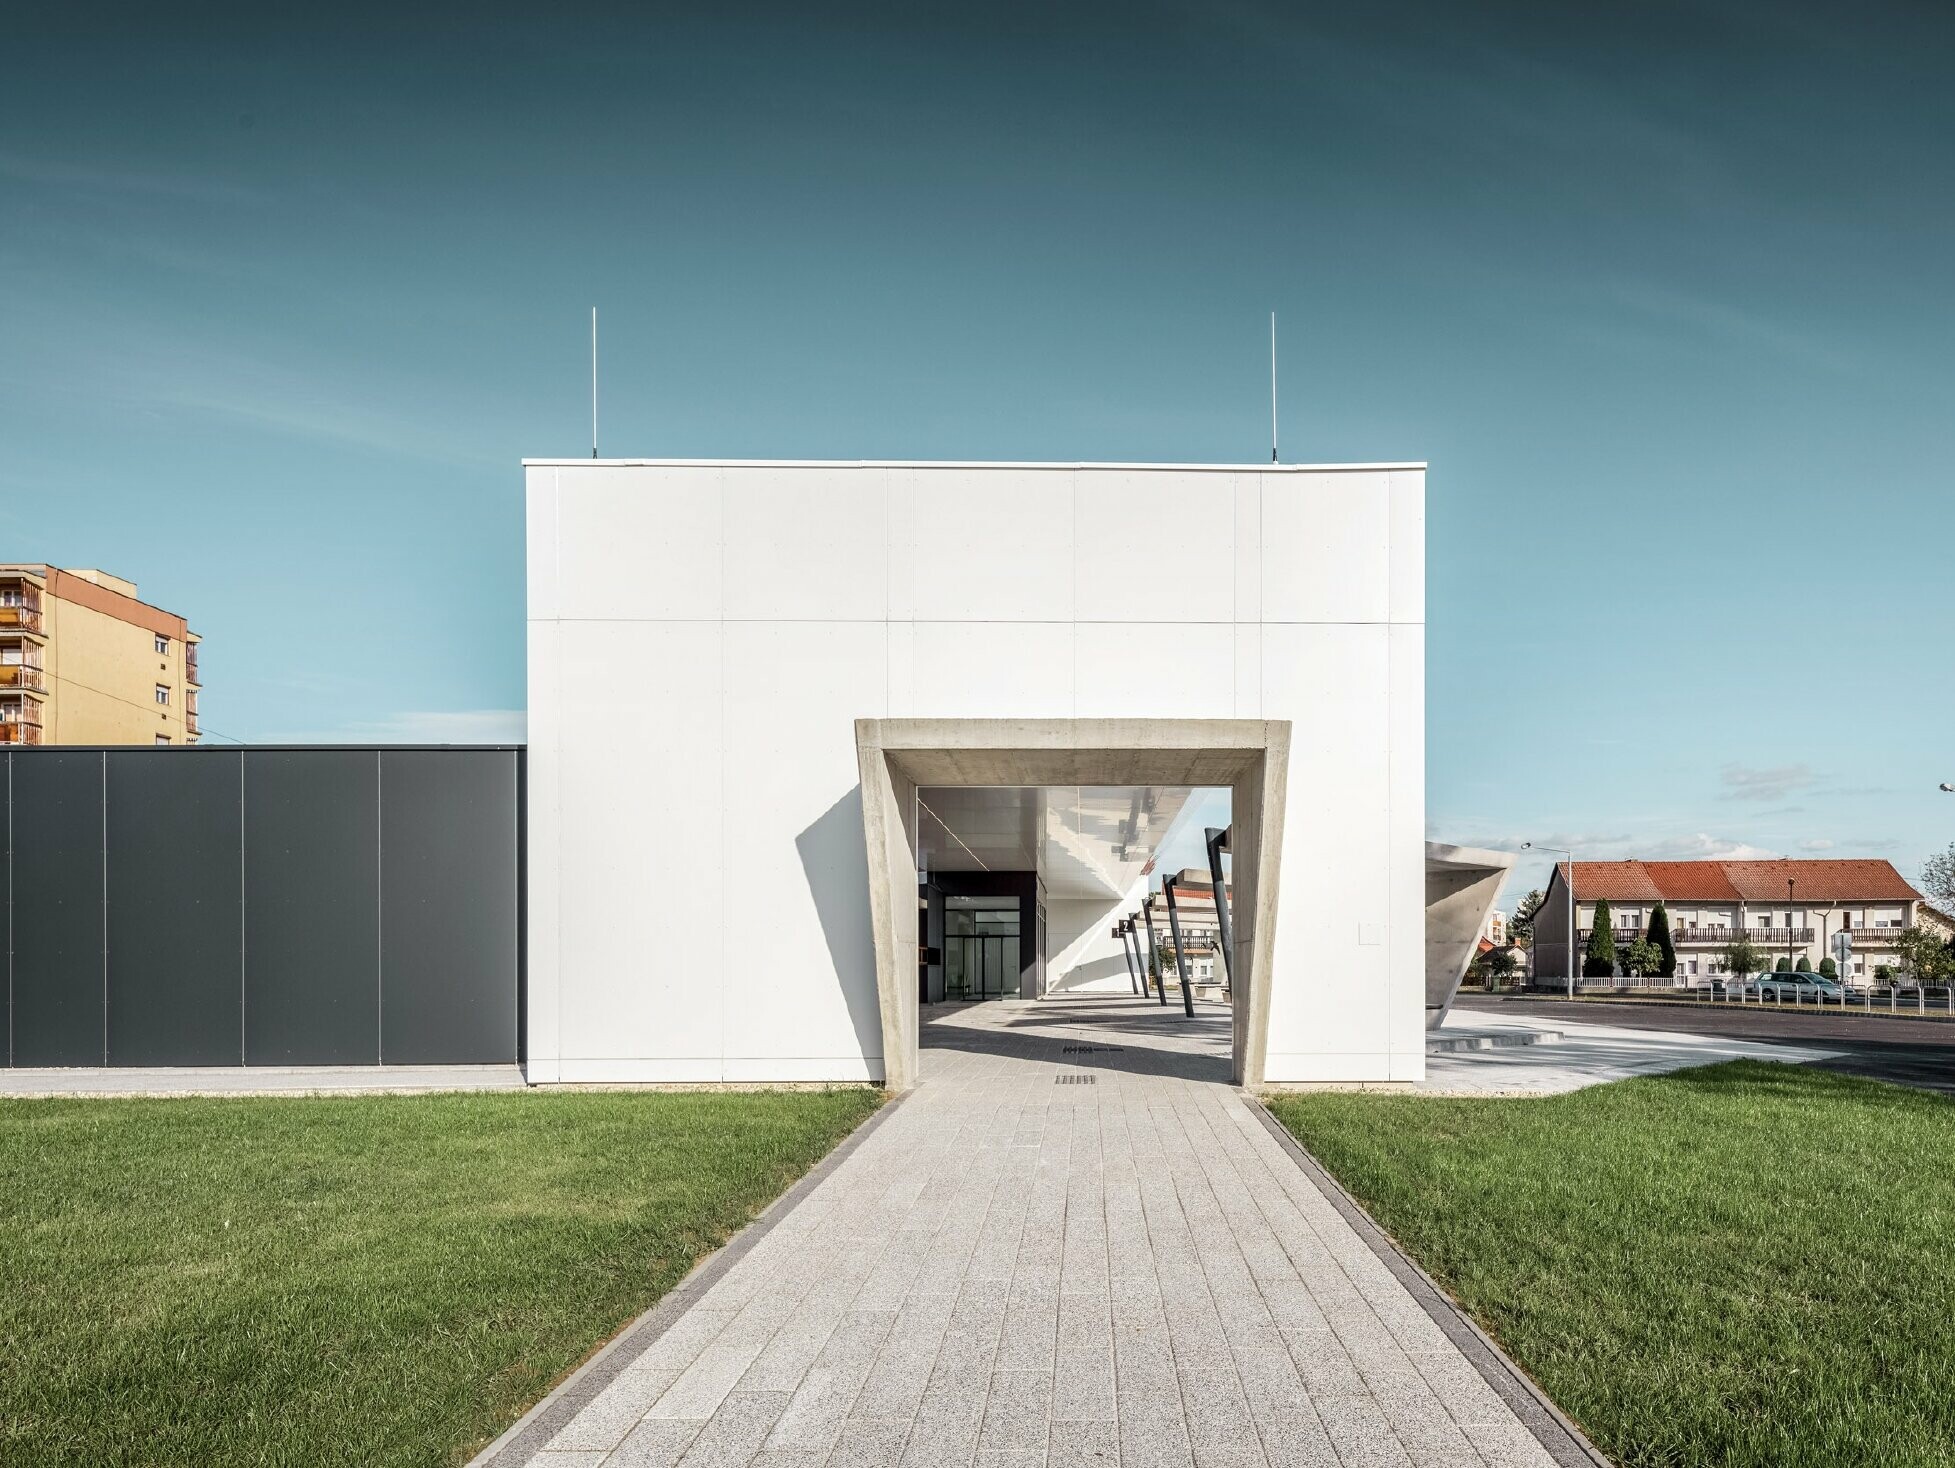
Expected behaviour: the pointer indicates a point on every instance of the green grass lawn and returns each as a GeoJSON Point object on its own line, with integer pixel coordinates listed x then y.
{"type": "Point", "coordinates": [370, 1280]}
{"type": "Point", "coordinates": [1745, 1264]}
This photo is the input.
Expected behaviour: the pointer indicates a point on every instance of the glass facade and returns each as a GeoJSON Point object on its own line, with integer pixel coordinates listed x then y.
{"type": "Point", "coordinates": [981, 937]}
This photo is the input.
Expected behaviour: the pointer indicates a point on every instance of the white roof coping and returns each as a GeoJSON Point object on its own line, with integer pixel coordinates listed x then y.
{"type": "Point", "coordinates": [963, 464]}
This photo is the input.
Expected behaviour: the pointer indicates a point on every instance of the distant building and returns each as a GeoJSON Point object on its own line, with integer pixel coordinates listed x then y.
{"type": "Point", "coordinates": [84, 661]}
{"type": "Point", "coordinates": [1709, 903]}
{"type": "Point", "coordinates": [1495, 932]}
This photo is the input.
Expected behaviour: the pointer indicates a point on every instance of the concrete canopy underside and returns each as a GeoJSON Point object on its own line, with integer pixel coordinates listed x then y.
{"type": "Point", "coordinates": [896, 756]}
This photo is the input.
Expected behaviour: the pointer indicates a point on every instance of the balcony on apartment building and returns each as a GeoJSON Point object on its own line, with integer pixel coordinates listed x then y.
{"type": "Point", "coordinates": [20, 721]}
{"type": "Point", "coordinates": [27, 676]}
{"type": "Point", "coordinates": [1764, 937]}
{"type": "Point", "coordinates": [20, 609]}
{"type": "Point", "coordinates": [190, 712]}
{"type": "Point", "coordinates": [190, 674]}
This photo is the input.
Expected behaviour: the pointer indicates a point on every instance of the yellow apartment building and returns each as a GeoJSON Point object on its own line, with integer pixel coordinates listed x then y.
{"type": "Point", "coordinates": [84, 660]}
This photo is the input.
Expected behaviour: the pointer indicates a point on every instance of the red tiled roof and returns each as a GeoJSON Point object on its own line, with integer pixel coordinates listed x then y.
{"type": "Point", "coordinates": [1619, 881]}
{"type": "Point", "coordinates": [1739, 881]}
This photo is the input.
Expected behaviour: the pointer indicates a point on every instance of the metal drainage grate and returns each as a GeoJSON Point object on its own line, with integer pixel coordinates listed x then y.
{"type": "Point", "coordinates": [1090, 1050]}
{"type": "Point", "coordinates": [1075, 1078]}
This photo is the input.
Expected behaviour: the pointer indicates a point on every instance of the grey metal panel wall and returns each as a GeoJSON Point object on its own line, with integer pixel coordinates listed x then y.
{"type": "Point", "coordinates": [6, 898]}
{"type": "Point", "coordinates": [58, 973]}
{"type": "Point", "coordinates": [270, 906]}
{"type": "Point", "coordinates": [311, 907]}
{"type": "Point", "coordinates": [176, 972]}
{"type": "Point", "coordinates": [448, 906]}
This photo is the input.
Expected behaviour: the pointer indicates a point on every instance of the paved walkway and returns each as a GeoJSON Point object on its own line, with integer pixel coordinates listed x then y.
{"type": "Point", "coordinates": [1074, 1243]}
{"type": "Point", "coordinates": [1572, 1055]}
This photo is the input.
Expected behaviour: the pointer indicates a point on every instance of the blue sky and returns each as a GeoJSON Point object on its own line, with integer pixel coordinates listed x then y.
{"type": "Point", "coordinates": [1662, 291]}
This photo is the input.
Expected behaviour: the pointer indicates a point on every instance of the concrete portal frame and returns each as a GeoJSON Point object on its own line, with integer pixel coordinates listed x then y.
{"type": "Point", "coordinates": [896, 756]}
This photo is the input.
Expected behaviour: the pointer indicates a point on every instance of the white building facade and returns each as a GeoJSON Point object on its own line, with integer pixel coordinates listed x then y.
{"type": "Point", "coordinates": [703, 637]}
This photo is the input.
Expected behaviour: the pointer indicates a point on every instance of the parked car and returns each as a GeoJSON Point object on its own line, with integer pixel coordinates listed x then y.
{"type": "Point", "coordinates": [1796, 988]}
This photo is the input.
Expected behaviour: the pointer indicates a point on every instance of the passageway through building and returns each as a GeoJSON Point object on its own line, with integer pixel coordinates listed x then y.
{"type": "Point", "coordinates": [1038, 892]}
{"type": "Point", "coordinates": [1030, 860]}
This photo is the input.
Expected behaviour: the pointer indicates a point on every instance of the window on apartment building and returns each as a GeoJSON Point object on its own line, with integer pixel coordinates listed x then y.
{"type": "Point", "coordinates": [162, 643]}
{"type": "Point", "coordinates": [162, 695]}
{"type": "Point", "coordinates": [162, 739]}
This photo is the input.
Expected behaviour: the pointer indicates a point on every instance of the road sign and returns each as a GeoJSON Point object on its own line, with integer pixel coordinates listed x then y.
{"type": "Point", "coordinates": [1843, 947]}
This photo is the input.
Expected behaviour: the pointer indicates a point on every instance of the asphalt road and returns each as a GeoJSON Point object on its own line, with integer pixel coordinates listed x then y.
{"type": "Point", "coordinates": [1909, 1052]}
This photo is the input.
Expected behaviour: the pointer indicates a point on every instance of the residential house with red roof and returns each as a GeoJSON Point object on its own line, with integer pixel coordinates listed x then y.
{"type": "Point", "coordinates": [1786, 908]}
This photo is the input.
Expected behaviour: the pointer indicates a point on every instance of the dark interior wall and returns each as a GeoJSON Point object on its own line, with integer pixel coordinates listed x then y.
{"type": "Point", "coordinates": [274, 906]}
{"type": "Point", "coordinates": [1022, 885]}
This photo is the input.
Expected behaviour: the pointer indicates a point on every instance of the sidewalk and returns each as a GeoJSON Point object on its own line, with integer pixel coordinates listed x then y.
{"type": "Point", "coordinates": [1074, 1243]}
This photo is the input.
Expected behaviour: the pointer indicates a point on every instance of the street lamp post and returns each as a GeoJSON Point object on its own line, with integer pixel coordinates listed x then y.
{"type": "Point", "coordinates": [1789, 962]}
{"type": "Point", "coordinates": [1570, 950]}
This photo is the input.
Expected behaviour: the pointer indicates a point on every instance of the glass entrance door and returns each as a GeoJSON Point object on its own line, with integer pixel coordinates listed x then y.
{"type": "Point", "coordinates": [981, 958]}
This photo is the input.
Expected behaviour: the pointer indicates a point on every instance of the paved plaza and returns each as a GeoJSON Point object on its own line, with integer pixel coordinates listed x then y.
{"type": "Point", "coordinates": [1570, 1055]}
{"type": "Point", "coordinates": [1073, 1243]}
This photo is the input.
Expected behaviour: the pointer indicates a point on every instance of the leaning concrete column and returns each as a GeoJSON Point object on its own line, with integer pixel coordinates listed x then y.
{"type": "Point", "coordinates": [1120, 932]}
{"type": "Point", "coordinates": [1218, 842]}
{"type": "Point", "coordinates": [1153, 949]}
{"type": "Point", "coordinates": [1180, 954]}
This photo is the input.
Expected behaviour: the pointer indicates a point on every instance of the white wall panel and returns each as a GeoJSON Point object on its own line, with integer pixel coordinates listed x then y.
{"type": "Point", "coordinates": [1145, 541]}
{"type": "Point", "coordinates": [807, 545]}
{"type": "Point", "coordinates": [1326, 548]}
{"type": "Point", "coordinates": [636, 546]}
{"type": "Point", "coordinates": [1333, 949]}
{"type": "Point", "coordinates": [641, 765]}
{"type": "Point", "coordinates": [988, 670]}
{"type": "Point", "coordinates": [798, 959]}
{"type": "Point", "coordinates": [1248, 638]}
{"type": "Point", "coordinates": [1408, 552]}
{"type": "Point", "coordinates": [990, 546]}
{"type": "Point", "coordinates": [543, 775]}
{"type": "Point", "coordinates": [540, 540]}
{"type": "Point", "coordinates": [1247, 496]}
{"type": "Point", "coordinates": [1405, 841]}
{"type": "Point", "coordinates": [1175, 670]}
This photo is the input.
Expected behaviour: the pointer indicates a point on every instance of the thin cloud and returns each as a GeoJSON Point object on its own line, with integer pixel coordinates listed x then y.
{"type": "Point", "coordinates": [424, 726]}
{"type": "Point", "coordinates": [59, 173]}
{"type": "Point", "coordinates": [1744, 783]}
{"type": "Point", "coordinates": [1702, 846]}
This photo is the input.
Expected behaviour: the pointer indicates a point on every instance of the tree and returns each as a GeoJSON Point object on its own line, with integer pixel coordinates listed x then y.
{"type": "Point", "coordinates": [1883, 973]}
{"type": "Point", "coordinates": [1500, 967]}
{"type": "Point", "coordinates": [1659, 934]}
{"type": "Point", "coordinates": [1783, 966]}
{"type": "Point", "coordinates": [1828, 969]}
{"type": "Point", "coordinates": [1520, 927]}
{"type": "Point", "coordinates": [1643, 959]}
{"type": "Point", "coordinates": [1599, 958]}
{"type": "Point", "coordinates": [1803, 966]}
{"type": "Point", "coordinates": [1938, 877]}
{"type": "Point", "coordinates": [1741, 958]}
{"type": "Point", "coordinates": [1923, 956]}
